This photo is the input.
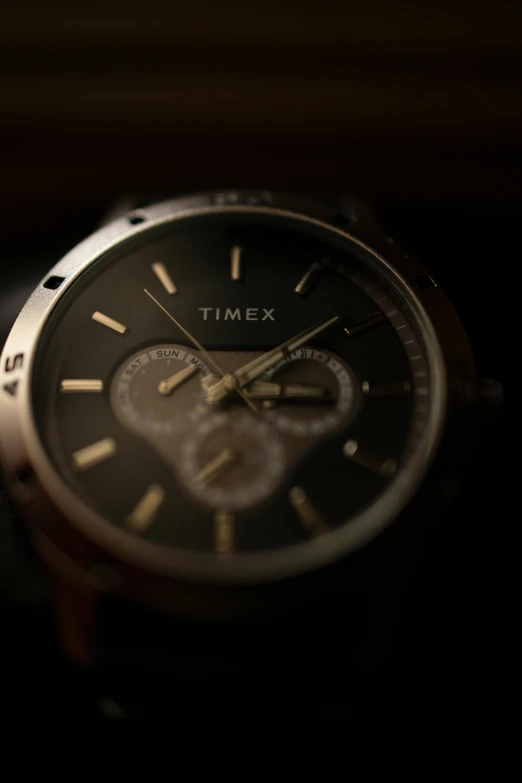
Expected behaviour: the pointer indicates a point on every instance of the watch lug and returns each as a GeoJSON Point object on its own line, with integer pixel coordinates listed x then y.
{"type": "Point", "coordinates": [358, 217]}
{"type": "Point", "coordinates": [119, 208]}
{"type": "Point", "coordinates": [76, 613]}
{"type": "Point", "coordinates": [356, 209]}
{"type": "Point", "coordinates": [77, 587]}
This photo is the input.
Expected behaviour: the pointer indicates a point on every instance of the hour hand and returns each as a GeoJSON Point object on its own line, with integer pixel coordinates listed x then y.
{"type": "Point", "coordinates": [268, 390]}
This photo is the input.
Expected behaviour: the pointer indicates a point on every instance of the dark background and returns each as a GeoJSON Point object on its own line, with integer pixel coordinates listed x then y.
{"type": "Point", "coordinates": [415, 106]}
{"type": "Point", "coordinates": [398, 99]}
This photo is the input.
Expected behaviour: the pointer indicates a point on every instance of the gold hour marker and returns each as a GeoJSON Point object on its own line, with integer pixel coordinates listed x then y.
{"type": "Point", "coordinates": [81, 386]}
{"type": "Point", "coordinates": [110, 322]}
{"type": "Point", "coordinates": [386, 388]}
{"type": "Point", "coordinates": [307, 512]}
{"type": "Point", "coordinates": [92, 455]}
{"type": "Point", "coordinates": [362, 326]}
{"type": "Point", "coordinates": [384, 467]}
{"type": "Point", "coordinates": [235, 263]}
{"type": "Point", "coordinates": [161, 272]}
{"type": "Point", "coordinates": [308, 279]}
{"type": "Point", "coordinates": [222, 461]}
{"type": "Point", "coordinates": [147, 509]}
{"type": "Point", "coordinates": [224, 532]}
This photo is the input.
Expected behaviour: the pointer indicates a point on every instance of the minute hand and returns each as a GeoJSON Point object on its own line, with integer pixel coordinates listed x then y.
{"type": "Point", "coordinates": [258, 366]}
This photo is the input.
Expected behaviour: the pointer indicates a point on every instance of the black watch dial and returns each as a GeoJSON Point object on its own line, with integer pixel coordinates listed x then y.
{"type": "Point", "coordinates": [238, 389]}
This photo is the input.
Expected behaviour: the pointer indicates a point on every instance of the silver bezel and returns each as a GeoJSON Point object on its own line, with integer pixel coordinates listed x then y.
{"type": "Point", "coordinates": [21, 448]}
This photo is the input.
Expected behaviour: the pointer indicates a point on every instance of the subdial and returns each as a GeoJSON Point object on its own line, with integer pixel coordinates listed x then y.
{"type": "Point", "coordinates": [313, 392]}
{"type": "Point", "coordinates": [158, 391]}
{"type": "Point", "coordinates": [233, 460]}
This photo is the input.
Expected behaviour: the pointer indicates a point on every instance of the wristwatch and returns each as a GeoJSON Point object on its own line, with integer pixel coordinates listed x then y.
{"type": "Point", "coordinates": [233, 423]}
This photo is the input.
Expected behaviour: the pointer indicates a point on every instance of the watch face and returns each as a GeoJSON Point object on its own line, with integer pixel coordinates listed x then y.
{"type": "Point", "coordinates": [238, 393]}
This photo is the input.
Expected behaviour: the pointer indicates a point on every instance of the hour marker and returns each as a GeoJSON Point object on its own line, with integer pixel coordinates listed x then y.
{"type": "Point", "coordinates": [235, 263]}
{"type": "Point", "coordinates": [224, 532]}
{"type": "Point", "coordinates": [81, 386]}
{"type": "Point", "coordinates": [146, 511]}
{"type": "Point", "coordinates": [362, 326]}
{"type": "Point", "coordinates": [386, 389]}
{"type": "Point", "coordinates": [309, 279]}
{"type": "Point", "coordinates": [307, 512]}
{"type": "Point", "coordinates": [385, 467]}
{"type": "Point", "coordinates": [110, 322]}
{"type": "Point", "coordinates": [92, 455]}
{"type": "Point", "coordinates": [163, 276]}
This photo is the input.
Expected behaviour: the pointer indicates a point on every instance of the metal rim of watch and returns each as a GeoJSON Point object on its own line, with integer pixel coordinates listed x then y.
{"type": "Point", "coordinates": [24, 454]}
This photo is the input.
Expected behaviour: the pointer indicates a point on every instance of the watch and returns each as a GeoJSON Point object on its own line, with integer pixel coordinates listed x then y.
{"type": "Point", "coordinates": [232, 423]}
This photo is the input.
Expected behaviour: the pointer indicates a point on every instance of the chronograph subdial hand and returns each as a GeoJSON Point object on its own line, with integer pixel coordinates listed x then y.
{"type": "Point", "coordinates": [169, 384]}
{"type": "Point", "coordinates": [289, 392]}
{"type": "Point", "coordinates": [237, 380]}
{"type": "Point", "coordinates": [198, 345]}
{"type": "Point", "coordinates": [324, 389]}
{"type": "Point", "coordinates": [232, 460]}
{"type": "Point", "coordinates": [225, 459]}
